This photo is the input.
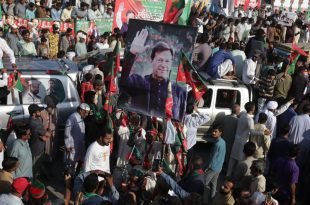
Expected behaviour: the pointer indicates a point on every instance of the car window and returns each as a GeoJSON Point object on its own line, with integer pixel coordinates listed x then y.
{"type": "Point", "coordinates": [226, 98]}
{"type": "Point", "coordinates": [205, 101]}
{"type": "Point", "coordinates": [36, 89]}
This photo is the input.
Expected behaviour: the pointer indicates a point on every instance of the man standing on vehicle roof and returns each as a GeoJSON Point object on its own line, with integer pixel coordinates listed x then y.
{"type": "Point", "coordinates": [4, 48]}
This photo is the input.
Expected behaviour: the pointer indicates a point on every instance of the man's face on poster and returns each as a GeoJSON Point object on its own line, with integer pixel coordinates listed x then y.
{"type": "Point", "coordinates": [35, 88]}
{"type": "Point", "coordinates": [161, 64]}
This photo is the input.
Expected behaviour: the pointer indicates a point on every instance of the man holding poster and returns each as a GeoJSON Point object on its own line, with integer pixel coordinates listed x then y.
{"type": "Point", "coordinates": [147, 94]}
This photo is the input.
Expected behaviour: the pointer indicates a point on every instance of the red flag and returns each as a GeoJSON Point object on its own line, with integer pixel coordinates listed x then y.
{"type": "Point", "coordinates": [187, 73]}
{"type": "Point", "coordinates": [169, 102]}
{"type": "Point", "coordinates": [174, 9]}
{"type": "Point", "coordinates": [246, 5]}
{"type": "Point", "coordinates": [181, 75]}
{"type": "Point", "coordinates": [298, 50]}
{"type": "Point", "coordinates": [112, 86]}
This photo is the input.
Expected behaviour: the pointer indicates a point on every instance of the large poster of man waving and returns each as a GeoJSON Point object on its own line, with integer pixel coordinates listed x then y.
{"type": "Point", "coordinates": [151, 61]}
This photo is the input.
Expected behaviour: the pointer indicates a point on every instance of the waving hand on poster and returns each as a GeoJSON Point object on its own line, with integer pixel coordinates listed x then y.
{"type": "Point", "coordinates": [137, 45]}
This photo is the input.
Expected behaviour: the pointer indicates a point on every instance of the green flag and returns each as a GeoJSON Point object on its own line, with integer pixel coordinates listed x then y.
{"type": "Point", "coordinates": [19, 85]}
{"type": "Point", "coordinates": [292, 66]}
{"type": "Point", "coordinates": [183, 20]}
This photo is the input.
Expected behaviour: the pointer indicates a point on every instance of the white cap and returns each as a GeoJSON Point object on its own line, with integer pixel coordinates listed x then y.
{"type": "Point", "coordinates": [84, 106]}
{"type": "Point", "coordinates": [272, 105]}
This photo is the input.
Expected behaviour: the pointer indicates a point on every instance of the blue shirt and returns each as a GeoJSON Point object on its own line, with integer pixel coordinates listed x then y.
{"type": "Point", "coordinates": [284, 119]}
{"type": "Point", "coordinates": [30, 14]}
{"type": "Point", "coordinates": [21, 151]}
{"type": "Point", "coordinates": [217, 59]}
{"type": "Point", "coordinates": [55, 14]}
{"type": "Point", "coordinates": [217, 156]}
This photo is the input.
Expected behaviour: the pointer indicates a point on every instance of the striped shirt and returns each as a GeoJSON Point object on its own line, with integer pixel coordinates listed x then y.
{"type": "Point", "coordinates": [266, 87]}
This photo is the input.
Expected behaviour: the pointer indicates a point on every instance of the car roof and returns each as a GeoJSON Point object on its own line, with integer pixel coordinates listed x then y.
{"type": "Point", "coordinates": [226, 83]}
{"type": "Point", "coordinates": [26, 64]}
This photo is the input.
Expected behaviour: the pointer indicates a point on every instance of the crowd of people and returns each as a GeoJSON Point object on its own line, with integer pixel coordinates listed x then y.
{"type": "Point", "coordinates": [47, 43]}
{"type": "Point", "coordinates": [112, 156]}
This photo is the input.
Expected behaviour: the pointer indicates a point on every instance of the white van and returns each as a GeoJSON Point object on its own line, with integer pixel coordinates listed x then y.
{"type": "Point", "coordinates": [218, 100]}
{"type": "Point", "coordinates": [36, 85]}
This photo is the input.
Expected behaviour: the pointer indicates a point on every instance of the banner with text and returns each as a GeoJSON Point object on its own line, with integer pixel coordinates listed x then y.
{"type": "Point", "coordinates": [152, 10]}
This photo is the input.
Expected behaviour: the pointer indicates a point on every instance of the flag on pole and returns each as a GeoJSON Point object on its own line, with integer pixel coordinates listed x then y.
{"type": "Point", "coordinates": [174, 9]}
{"type": "Point", "coordinates": [19, 85]}
{"type": "Point", "coordinates": [114, 67]}
{"type": "Point", "coordinates": [169, 102]}
{"type": "Point", "coordinates": [292, 66]}
{"type": "Point", "coordinates": [183, 20]}
{"type": "Point", "coordinates": [188, 74]}
{"type": "Point", "coordinates": [295, 53]}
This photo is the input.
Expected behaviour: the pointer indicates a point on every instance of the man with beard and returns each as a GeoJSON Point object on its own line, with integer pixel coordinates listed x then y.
{"type": "Point", "coordinates": [147, 94]}
{"type": "Point", "coordinates": [31, 96]}
{"type": "Point", "coordinates": [98, 153]}
{"type": "Point", "coordinates": [225, 195]}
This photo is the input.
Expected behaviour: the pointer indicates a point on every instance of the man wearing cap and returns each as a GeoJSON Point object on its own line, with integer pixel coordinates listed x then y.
{"type": "Point", "coordinates": [80, 47]}
{"type": "Point", "coordinates": [147, 94]}
{"type": "Point", "coordinates": [75, 134]}
{"type": "Point", "coordinates": [272, 111]}
{"type": "Point", "coordinates": [148, 149]}
{"type": "Point", "coordinates": [31, 96]}
{"type": "Point", "coordinates": [38, 138]}
{"type": "Point", "coordinates": [19, 186]}
{"type": "Point", "coordinates": [109, 13]}
{"type": "Point", "coordinates": [54, 41]}
{"type": "Point", "coordinates": [37, 194]}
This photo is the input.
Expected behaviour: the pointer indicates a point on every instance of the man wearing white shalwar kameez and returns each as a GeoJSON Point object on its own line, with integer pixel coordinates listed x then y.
{"type": "Point", "coordinates": [272, 112]}
{"type": "Point", "coordinates": [244, 128]}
